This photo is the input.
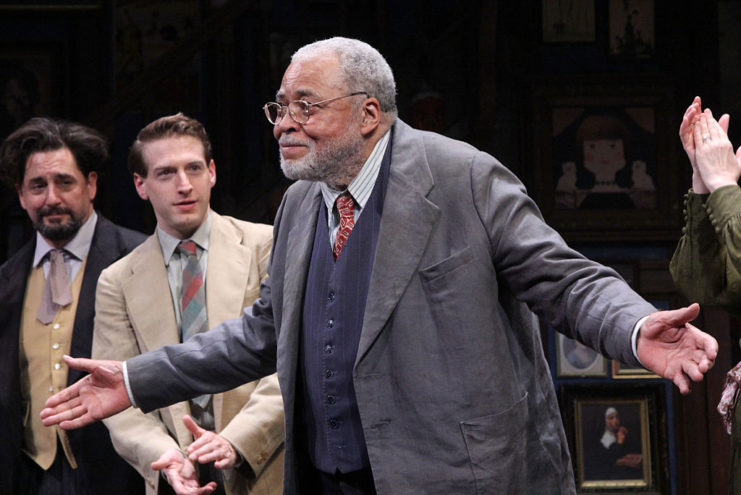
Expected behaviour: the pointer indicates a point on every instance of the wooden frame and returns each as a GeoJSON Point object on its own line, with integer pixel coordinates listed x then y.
{"type": "Point", "coordinates": [570, 23]}
{"type": "Point", "coordinates": [622, 371]}
{"type": "Point", "coordinates": [575, 359]}
{"type": "Point", "coordinates": [603, 158]}
{"type": "Point", "coordinates": [617, 437]}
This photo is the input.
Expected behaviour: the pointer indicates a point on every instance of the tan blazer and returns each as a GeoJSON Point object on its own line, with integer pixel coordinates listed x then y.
{"type": "Point", "coordinates": [134, 314]}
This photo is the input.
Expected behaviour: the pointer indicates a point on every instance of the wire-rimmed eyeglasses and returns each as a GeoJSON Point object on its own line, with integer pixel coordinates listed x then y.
{"type": "Point", "coordinates": [297, 109]}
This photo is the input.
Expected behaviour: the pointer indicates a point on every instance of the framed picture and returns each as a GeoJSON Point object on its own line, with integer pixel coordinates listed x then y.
{"type": "Point", "coordinates": [575, 359]}
{"type": "Point", "coordinates": [623, 371]}
{"type": "Point", "coordinates": [568, 21]}
{"type": "Point", "coordinates": [631, 28]}
{"type": "Point", "coordinates": [617, 434]}
{"type": "Point", "coordinates": [603, 158]}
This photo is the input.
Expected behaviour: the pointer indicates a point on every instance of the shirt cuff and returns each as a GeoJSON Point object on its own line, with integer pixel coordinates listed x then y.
{"type": "Point", "coordinates": [128, 386]}
{"type": "Point", "coordinates": [633, 340]}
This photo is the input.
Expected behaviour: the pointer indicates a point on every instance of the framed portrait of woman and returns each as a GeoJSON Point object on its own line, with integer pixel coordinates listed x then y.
{"type": "Point", "coordinates": [616, 433]}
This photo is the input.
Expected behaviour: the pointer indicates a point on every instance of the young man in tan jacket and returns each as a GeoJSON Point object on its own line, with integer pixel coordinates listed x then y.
{"type": "Point", "coordinates": [160, 295]}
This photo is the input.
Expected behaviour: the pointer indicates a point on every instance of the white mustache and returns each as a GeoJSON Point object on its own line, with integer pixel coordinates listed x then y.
{"type": "Point", "coordinates": [287, 141]}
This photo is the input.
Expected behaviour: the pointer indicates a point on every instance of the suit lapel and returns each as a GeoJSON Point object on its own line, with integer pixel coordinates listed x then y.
{"type": "Point", "coordinates": [299, 245]}
{"type": "Point", "coordinates": [147, 292]}
{"type": "Point", "coordinates": [104, 250]}
{"type": "Point", "coordinates": [226, 277]}
{"type": "Point", "coordinates": [12, 293]}
{"type": "Point", "coordinates": [227, 274]}
{"type": "Point", "coordinates": [406, 223]}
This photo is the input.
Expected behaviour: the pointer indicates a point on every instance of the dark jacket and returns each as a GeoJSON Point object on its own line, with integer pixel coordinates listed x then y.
{"type": "Point", "coordinates": [105, 471]}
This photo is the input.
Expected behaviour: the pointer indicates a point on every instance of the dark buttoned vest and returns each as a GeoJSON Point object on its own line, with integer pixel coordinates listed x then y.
{"type": "Point", "coordinates": [334, 305]}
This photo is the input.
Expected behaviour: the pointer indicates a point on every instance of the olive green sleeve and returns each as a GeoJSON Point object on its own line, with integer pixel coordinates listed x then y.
{"type": "Point", "coordinates": [706, 265]}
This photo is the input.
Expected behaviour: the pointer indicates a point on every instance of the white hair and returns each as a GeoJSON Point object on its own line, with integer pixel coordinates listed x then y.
{"type": "Point", "coordinates": [363, 67]}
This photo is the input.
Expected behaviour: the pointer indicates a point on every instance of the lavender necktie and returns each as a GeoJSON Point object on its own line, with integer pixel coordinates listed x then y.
{"type": "Point", "coordinates": [57, 291]}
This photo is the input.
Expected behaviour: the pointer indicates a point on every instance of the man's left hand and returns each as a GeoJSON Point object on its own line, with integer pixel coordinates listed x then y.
{"type": "Point", "coordinates": [670, 347]}
{"type": "Point", "coordinates": [209, 447]}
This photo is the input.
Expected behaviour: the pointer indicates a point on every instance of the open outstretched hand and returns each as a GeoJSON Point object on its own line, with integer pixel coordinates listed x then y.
{"type": "Point", "coordinates": [181, 474]}
{"type": "Point", "coordinates": [671, 347]}
{"type": "Point", "coordinates": [98, 395]}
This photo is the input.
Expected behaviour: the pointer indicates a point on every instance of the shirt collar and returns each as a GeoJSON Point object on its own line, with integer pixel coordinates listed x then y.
{"type": "Point", "coordinates": [361, 186]}
{"type": "Point", "coordinates": [169, 243]}
{"type": "Point", "coordinates": [78, 246]}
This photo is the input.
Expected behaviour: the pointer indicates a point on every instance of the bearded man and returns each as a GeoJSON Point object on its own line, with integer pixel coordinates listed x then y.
{"type": "Point", "coordinates": [399, 311]}
{"type": "Point", "coordinates": [47, 301]}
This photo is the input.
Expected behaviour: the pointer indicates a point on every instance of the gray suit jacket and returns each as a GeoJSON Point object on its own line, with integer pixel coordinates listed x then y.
{"type": "Point", "coordinates": [453, 388]}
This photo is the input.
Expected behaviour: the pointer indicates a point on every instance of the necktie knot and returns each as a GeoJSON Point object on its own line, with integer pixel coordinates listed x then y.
{"type": "Point", "coordinates": [187, 248]}
{"type": "Point", "coordinates": [345, 205]}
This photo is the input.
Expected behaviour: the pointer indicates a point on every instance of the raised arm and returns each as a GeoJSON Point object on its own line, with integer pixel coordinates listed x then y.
{"type": "Point", "coordinates": [670, 347]}
{"type": "Point", "coordinates": [706, 265]}
{"type": "Point", "coordinates": [715, 160]}
{"type": "Point", "coordinates": [687, 136]}
{"type": "Point", "coordinates": [98, 395]}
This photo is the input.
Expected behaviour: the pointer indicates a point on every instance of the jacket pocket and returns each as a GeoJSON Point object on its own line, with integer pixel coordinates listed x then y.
{"type": "Point", "coordinates": [496, 446]}
{"type": "Point", "coordinates": [449, 264]}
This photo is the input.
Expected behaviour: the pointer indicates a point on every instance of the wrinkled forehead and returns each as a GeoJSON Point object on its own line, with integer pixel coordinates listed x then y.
{"type": "Point", "coordinates": [316, 76]}
{"type": "Point", "coordinates": [52, 162]}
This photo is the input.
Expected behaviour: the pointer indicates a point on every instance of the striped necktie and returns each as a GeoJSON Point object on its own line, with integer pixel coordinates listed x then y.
{"type": "Point", "coordinates": [193, 297]}
{"type": "Point", "coordinates": [193, 317]}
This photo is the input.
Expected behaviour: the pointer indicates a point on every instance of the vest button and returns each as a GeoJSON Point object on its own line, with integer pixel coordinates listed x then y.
{"type": "Point", "coordinates": [331, 399]}
{"type": "Point", "coordinates": [57, 366]}
{"type": "Point", "coordinates": [328, 349]}
{"type": "Point", "coordinates": [330, 323]}
{"type": "Point", "coordinates": [334, 424]}
{"type": "Point", "coordinates": [55, 346]}
{"type": "Point", "coordinates": [56, 326]}
{"type": "Point", "coordinates": [331, 296]}
{"type": "Point", "coordinates": [328, 373]}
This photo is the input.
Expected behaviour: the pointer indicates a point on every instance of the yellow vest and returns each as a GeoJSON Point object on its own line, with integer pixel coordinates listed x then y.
{"type": "Point", "coordinates": [43, 372]}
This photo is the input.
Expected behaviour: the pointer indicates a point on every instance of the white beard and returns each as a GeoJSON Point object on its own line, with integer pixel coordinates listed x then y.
{"type": "Point", "coordinates": [335, 162]}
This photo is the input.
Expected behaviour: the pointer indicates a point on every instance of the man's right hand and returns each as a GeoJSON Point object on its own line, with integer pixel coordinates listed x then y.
{"type": "Point", "coordinates": [181, 474]}
{"type": "Point", "coordinates": [98, 395]}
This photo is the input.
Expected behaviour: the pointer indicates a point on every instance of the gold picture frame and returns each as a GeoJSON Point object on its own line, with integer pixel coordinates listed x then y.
{"type": "Point", "coordinates": [616, 435]}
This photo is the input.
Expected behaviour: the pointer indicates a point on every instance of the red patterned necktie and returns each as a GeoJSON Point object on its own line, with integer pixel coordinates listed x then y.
{"type": "Point", "coordinates": [345, 207]}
